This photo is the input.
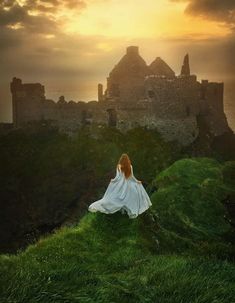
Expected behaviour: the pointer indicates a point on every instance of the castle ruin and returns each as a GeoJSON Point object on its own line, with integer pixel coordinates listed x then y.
{"type": "Point", "coordinates": [136, 95]}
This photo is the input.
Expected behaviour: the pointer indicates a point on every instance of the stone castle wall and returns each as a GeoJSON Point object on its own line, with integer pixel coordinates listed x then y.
{"type": "Point", "coordinates": [212, 97]}
{"type": "Point", "coordinates": [135, 96]}
{"type": "Point", "coordinates": [27, 101]}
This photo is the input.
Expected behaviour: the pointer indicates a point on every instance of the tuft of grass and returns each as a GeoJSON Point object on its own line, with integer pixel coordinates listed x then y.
{"type": "Point", "coordinates": [103, 260]}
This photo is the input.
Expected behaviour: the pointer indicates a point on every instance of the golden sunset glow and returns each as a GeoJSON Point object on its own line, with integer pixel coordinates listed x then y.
{"type": "Point", "coordinates": [136, 19]}
{"type": "Point", "coordinates": [71, 45]}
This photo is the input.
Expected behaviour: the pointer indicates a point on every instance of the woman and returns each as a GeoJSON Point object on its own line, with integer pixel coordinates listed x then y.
{"type": "Point", "coordinates": [124, 193]}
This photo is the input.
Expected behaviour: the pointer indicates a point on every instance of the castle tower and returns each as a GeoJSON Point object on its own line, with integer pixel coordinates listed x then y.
{"type": "Point", "coordinates": [100, 92]}
{"type": "Point", "coordinates": [126, 81]}
{"type": "Point", "coordinates": [132, 50]}
{"type": "Point", "coordinates": [15, 86]}
{"type": "Point", "coordinates": [27, 101]}
{"type": "Point", "coordinates": [185, 70]}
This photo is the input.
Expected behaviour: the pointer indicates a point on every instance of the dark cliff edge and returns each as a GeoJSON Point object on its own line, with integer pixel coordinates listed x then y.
{"type": "Point", "coordinates": [221, 147]}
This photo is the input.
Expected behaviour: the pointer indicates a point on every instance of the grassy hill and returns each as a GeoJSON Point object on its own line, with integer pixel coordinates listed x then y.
{"type": "Point", "coordinates": [178, 251]}
{"type": "Point", "coordinates": [45, 175]}
{"type": "Point", "coordinates": [189, 203]}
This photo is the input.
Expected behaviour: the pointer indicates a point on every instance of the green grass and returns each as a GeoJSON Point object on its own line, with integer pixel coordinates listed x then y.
{"type": "Point", "coordinates": [45, 174]}
{"type": "Point", "coordinates": [189, 206]}
{"type": "Point", "coordinates": [111, 258]}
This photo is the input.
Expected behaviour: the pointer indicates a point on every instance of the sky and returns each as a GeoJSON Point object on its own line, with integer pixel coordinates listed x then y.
{"type": "Point", "coordinates": [70, 46]}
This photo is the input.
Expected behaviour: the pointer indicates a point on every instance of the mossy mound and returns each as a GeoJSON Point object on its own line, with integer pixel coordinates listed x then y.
{"type": "Point", "coordinates": [190, 210]}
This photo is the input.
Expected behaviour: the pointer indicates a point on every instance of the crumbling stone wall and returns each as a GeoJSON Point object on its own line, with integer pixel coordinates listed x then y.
{"type": "Point", "coordinates": [27, 101]}
{"type": "Point", "coordinates": [211, 96]}
{"type": "Point", "coordinates": [175, 103]}
{"type": "Point", "coordinates": [136, 94]}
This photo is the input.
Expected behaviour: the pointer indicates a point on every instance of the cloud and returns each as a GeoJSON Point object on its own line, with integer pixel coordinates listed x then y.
{"type": "Point", "coordinates": [222, 11]}
{"type": "Point", "coordinates": [54, 5]}
{"type": "Point", "coordinates": [9, 39]}
{"type": "Point", "coordinates": [218, 10]}
{"type": "Point", "coordinates": [14, 16]}
{"type": "Point", "coordinates": [35, 48]}
{"type": "Point", "coordinates": [36, 16]}
{"type": "Point", "coordinates": [11, 13]}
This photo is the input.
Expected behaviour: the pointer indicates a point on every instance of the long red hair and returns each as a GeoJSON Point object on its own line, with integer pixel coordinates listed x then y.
{"type": "Point", "coordinates": [125, 163]}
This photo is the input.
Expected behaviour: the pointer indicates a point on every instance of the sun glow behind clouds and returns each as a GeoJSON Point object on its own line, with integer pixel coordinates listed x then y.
{"type": "Point", "coordinates": [135, 19]}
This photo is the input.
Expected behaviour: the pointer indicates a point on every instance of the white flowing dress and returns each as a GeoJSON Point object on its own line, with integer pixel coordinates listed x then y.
{"type": "Point", "coordinates": [123, 194]}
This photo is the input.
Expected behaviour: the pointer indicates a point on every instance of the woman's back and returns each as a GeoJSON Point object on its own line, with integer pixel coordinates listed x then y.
{"type": "Point", "coordinates": [120, 172]}
{"type": "Point", "coordinates": [124, 192]}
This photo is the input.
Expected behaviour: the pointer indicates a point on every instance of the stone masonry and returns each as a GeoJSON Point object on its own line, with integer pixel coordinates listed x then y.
{"type": "Point", "coordinates": [136, 95]}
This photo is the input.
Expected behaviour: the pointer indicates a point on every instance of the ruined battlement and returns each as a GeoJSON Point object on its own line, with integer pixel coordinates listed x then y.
{"type": "Point", "coordinates": [136, 94]}
{"type": "Point", "coordinates": [27, 89]}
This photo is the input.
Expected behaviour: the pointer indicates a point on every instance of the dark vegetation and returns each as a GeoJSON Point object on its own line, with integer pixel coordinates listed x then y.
{"type": "Point", "coordinates": [48, 178]}
{"type": "Point", "coordinates": [180, 250]}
